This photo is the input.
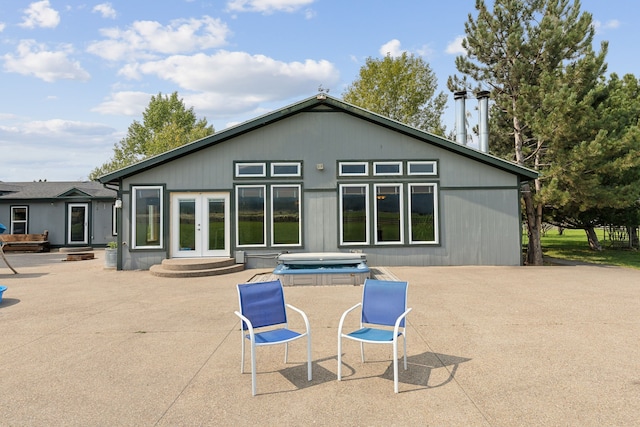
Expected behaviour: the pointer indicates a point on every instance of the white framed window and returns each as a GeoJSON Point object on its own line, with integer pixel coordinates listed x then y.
{"type": "Point", "coordinates": [353, 169]}
{"type": "Point", "coordinates": [251, 211]}
{"type": "Point", "coordinates": [19, 219]}
{"type": "Point", "coordinates": [286, 211]}
{"type": "Point", "coordinates": [251, 170]}
{"type": "Point", "coordinates": [388, 214]}
{"type": "Point", "coordinates": [423, 213]}
{"type": "Point", "coordinates": [148, 217]}
{"type": "Point", "coordinates": [354, 214]}
{"type": "Point", "coordinates": [387, 168]}
{"type": "Point", "coordinates": [286, 169]}
{"type": "Point", "coordinates": [422, 168]}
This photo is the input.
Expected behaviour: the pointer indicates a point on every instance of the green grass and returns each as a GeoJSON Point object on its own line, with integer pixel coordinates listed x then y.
{"type": "Point", "coordinates": [572, 245]}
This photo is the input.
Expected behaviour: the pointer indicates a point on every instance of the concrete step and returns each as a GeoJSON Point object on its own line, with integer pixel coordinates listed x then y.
{"type": "Point", "coordinates": [160, 270]}
{"type": "Point", "coordinates": [185, 264]}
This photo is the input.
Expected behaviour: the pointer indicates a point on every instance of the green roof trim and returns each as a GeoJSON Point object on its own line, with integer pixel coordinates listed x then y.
{"type": "Point", "coordinates": [308, 104]}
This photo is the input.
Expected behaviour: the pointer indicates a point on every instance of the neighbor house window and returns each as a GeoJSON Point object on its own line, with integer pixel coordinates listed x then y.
{"type": "Point", "coordinates": [422, 168]}
{"type": "Point", "coordinates": [354, 221]}
{"type": "Point", "coordinates": [387, 168]}
{"type": "Point", "coordinates": [423, 207]}
{"type": "Point", "coordinates": [286, 169]}
{"type": "Point", "coordinates": [147, 221]}
{"type": "Point", "coordinates": [19, 215]}
{"type": "Point", "coordinates": [250, 215]}
{"type": "Point", "coordinates": [251, 170]}
{"type": "Point", "coordinates": [388, 213]}
{"type": "Point", "coordinates": [285, 215]}
{"type": "Point", "coordinates": [353, 169]}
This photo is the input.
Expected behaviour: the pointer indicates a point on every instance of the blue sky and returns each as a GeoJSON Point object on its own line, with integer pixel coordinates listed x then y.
{"type": "Point", "coordinates": [75, 74]}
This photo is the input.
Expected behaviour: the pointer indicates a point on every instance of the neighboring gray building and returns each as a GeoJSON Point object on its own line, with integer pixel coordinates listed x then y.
{"type": "Point", "coordinates": [75, 213]}
{"type": "Point", "coordinates": [321, 175]}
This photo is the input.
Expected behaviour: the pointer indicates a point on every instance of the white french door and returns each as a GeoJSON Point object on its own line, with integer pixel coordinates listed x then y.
{"type": "Point", "coordinates": [78, 223]}
{"type": "Point", "coordinates": [200, 225]}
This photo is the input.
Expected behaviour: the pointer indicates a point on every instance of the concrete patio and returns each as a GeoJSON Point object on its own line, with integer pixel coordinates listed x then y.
{"type": "Point", "coordinates": [487, 346]}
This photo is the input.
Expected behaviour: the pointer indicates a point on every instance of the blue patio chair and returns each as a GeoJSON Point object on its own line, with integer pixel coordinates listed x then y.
{"type": "Point", "coordinates": [263, 315]}
{"type": "Point", "coordinates": [382, 320]}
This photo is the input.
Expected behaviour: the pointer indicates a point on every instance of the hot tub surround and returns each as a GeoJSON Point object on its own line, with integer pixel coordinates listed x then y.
{"type": "Point", "coordinates": [322, 268]}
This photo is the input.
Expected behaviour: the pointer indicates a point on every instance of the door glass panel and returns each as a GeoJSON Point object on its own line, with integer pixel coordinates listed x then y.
{"type": "Point", "coordinates": [216, 225]}
{"type": "Point", "coordinates": [77, 224]}
{"type": "Point", "coordinates": [187, 230]}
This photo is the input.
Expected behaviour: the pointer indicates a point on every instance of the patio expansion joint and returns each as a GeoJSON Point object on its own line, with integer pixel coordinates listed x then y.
{"type": "Point", "coordinates": [451, 373]}
{"type": "Point", "coordinates": [196, 373]}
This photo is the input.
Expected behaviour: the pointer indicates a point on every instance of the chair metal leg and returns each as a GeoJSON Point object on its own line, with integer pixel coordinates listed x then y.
{"type": "Point", "coordinates": [286, 352]}
{"type": "Point", "coordinates": [309, 375]}
{"type": "Point", "coordinates": [395, 364]}
{"type": "Point", "coordinates": [242, 352]}
{"type": "Point", "coordinates": [362, 351]}
{"type": "Point", "coordinates": [404, 339]}
{"type": "Point", "coordinates": [339, 356]}
{"type": "Point", "coordinates": [253, 369]}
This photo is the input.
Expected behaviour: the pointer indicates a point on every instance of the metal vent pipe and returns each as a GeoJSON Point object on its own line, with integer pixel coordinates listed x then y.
{"type": "Point", "coordinates": [483, 124]}
{"type": "Point", "coordinates": [461, 124]}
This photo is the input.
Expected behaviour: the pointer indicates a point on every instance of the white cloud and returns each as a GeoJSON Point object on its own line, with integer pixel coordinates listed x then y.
{"type": "Point", "coordinates": [455, 47]}
{"type": "Point", "coordinates": [128, 103]}
{"type": "Point", "coordinates": [609, 25]}
{"type": "Point", "coordinates": [49, 65]}
{"type": "Point", "coordinates": [40, 14]}
{"type": "Point", "coordinates": [392, 48]}
{"type": "Point", "coordinates": [56, 150]}
{"type": "Point", "coordinates": [106, 10]}
{"type": "Point", "coordinates": [268, 6]}
{"type": "Point", "coordinates": [145, 39]}
{"type": "Point", "coordinates": [233, 73]}
{"type": "Point", "coordinates": [2, 26]}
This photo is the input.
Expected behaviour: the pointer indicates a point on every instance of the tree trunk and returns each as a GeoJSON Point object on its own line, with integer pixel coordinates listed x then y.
{"type": "Point", "coordinates": [634, 242]}
{"type": "Point", "coordinates": [594, 243]}
{"type": "Point", "coordinates": [534, 248]}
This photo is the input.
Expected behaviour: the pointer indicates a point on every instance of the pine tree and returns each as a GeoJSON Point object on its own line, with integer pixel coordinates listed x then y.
{"type": "Point", "coordinates": [527, 52]}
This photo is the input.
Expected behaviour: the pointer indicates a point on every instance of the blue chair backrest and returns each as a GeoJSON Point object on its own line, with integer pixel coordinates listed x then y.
{"type": "Point", "coordinates": [262, 303]}
{"type": "Point", "coordinates": [383, 301]}
{"type": "Point", "coordinates": [2, 228]}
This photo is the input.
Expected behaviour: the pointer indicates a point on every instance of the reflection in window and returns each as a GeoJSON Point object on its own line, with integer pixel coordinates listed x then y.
{"type": "Point", "coordinates": [147, 223]}
{"type": "Point", "coordinates": [353, 211]}
{"type": "Point", "coordinates": [424, 219]}
{"type": "Point", "coordinates": [250, 207]}
{"type": "Point", "coordinates": [19, 219]}
{"type": "Point", "coordinates": [388, 213]}
{"type": "Point", "coordinates": [285, 215]}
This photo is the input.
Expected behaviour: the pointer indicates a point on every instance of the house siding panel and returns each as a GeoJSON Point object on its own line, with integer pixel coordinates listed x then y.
{"type": "Point", "coordinates": [479, 219]}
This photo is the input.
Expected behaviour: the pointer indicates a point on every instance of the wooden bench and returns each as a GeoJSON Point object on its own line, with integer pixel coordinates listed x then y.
{"type": "Point", "coordinates": [25, 242]}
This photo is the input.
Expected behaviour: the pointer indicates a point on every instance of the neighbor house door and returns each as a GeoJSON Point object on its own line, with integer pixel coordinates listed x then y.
{"type": "Point", "coordinates": [200, 225]}
{"type": "Point", "coordinates": [78, 224]}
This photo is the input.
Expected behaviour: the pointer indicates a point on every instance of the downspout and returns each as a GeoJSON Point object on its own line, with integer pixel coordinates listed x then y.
{"type": "Point", "coordinates": [461, 127]}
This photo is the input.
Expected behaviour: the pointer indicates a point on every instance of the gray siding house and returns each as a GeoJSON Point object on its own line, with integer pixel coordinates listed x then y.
{"type": "Point", "coordinates": [74, 213]}
{"type": "Point", "coordinates": [321, 175]}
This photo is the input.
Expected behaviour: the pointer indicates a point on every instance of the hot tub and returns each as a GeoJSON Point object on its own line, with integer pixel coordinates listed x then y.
{"type": "Point", "coordinates": [322, 268]}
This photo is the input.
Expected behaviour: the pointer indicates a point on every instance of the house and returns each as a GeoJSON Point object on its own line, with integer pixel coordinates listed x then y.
{"type": "Point", "coordinates": [321, 175]}
{"type": "Point", "coordinates": [74, 213]}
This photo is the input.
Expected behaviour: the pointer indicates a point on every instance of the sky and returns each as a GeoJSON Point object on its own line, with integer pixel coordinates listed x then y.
{"type": "Point", "coordinates": [74, 75]}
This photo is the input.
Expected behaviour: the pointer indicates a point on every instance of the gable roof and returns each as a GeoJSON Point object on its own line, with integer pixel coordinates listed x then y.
{"type": "Point", "coordinates": [54, 190]}
{"type": "Point", "coordinates": [321, 100]}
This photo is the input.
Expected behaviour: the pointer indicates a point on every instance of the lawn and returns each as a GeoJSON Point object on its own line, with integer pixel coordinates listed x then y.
{"type": "Point", "coordinates": [573, 245]}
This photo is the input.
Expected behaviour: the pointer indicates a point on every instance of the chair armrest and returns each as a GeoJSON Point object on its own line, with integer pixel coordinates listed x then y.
{"type": "Point", "coordinates": [248, 322]}
{"type": "Point", "coordinates": [304, 316]}
{"type": "Point", "coordinates": [344, 315]}
{"type": "Point", "coordinates": [398, 320]}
